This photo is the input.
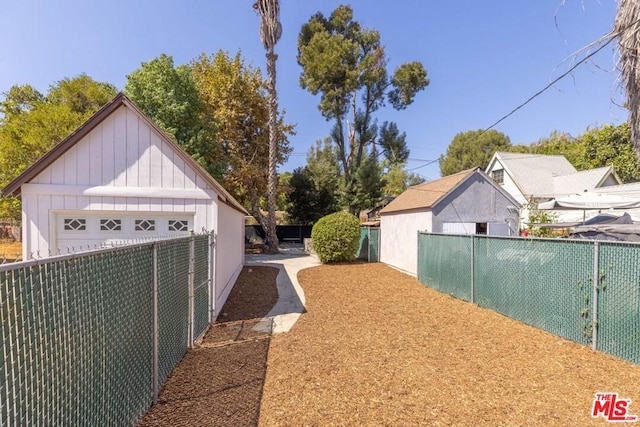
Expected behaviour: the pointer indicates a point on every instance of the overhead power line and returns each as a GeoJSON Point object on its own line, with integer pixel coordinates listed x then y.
{"type": "Point", "coordinates": [541, 91]}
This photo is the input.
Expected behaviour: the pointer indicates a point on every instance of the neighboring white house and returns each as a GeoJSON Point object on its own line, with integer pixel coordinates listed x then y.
{"type": "Point", "coordinates": [537, 178]}
{"type": "Point", "coordinates": [468, 202]}
{"type": "Point", "coordinates": [118, 177]}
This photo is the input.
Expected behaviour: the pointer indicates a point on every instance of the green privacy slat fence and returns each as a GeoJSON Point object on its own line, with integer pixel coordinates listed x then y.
{"type": "Point", "coordinates": [445, 264]}
{"type": "Point", "coordinates": [363, 245]}
{"type": "Point", "coordinates": [173, 304]}
{"type": "Point", "coordinates": [369, 246]}
{"type": "Point", "coordinates": [619, 301]}
{"type": "Point", "coordinates": [543, 283]}
{"type": "Point", "coordinates": [374, 244]}
{"type": "Point", "coordinates": [77, 333]}
{"type": "Point", "coordinates": [201, 285]}
{"type": "Point", "coordinates": [549, 284]}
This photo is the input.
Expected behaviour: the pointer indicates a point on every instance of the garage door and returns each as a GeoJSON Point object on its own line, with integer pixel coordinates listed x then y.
{"type": "Point", "coordinates": [79, 230]}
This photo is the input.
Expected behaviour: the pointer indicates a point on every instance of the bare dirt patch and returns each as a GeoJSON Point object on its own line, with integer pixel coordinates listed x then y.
{"type": "Point", "coordinates": [377, 348]}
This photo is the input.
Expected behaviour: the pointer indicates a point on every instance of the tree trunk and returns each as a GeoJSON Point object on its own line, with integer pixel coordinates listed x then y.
{"type": "Point", "coordinates": [272, 185]}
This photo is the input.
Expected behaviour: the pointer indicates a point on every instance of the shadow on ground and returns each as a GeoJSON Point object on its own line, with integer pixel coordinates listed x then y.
{"type": "Point", "coordinates": [220, 382]}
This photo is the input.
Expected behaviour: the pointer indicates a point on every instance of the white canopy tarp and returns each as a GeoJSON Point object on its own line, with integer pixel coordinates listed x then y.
{"type": "Point", "coordinates": [591, 201]}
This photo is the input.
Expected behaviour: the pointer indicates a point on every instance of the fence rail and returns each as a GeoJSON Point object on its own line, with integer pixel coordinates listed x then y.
{"type": "Point", "coordinates": [92, 337]}
{"type": "Point", "coordinates": [585, 291]}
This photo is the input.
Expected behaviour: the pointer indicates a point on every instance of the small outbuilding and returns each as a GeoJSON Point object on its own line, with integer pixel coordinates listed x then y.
{"type": "Point", "coordinates": [468, 202]}
{"type": "Point", "coordinates": [118, 178]}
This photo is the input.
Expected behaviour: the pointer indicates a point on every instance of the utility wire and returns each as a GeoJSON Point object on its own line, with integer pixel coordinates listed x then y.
{"type": "Point", "coordinates": [541, 91]}
{"type": "Point", "coordinates": [609, 37]}
{"type": "Point", "coordinates": [430, 162]}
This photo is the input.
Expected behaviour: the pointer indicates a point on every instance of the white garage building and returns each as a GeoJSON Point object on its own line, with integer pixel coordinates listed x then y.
{"type": "Point", "coordinates": [117, 178]}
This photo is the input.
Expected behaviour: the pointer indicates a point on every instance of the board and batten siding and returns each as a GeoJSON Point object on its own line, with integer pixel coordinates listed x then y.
{"type": "Point", "coordinates": [122, 165]}
{"type": "Point", "coordinates": [399, 238]}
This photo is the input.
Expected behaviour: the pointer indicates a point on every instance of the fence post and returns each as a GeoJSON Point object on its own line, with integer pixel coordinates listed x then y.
{"type": "Point", "coordinates": [596, 282]}
{"type": "Point", "coordinates": [473, 269]}
{"type": "Point", "coordinates": [369, 244]}
{"type": "Point", "coordinates": [156, 390]}
{"type": "Point", "coordinates": [211, 273]}
{"type": "Point", "coordinates": [191, 286]}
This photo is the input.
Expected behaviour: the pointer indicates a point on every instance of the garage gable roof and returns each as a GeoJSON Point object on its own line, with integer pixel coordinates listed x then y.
{"type": "Point", "coordinates": [14, 187]}
{"type": "Point", "coordinates": [426, 195]}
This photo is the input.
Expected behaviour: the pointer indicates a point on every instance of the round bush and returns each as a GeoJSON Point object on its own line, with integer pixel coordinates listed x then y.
{"type": "Point", "coordinates": [335, 237]}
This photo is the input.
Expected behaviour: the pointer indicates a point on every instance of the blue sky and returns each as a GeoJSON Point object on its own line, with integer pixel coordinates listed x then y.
{"type": "Point", "coordinates": [483, 58]}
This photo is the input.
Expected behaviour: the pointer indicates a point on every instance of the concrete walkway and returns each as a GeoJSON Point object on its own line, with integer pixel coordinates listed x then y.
{"type": "Point", "coordinates": [291, 301]}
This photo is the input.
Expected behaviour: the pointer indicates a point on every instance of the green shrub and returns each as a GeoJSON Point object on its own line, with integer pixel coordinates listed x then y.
{"type": "Point", "coordinates": [335, 237]}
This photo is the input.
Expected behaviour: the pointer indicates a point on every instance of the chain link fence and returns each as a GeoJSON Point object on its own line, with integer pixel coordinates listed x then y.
{"type": "Point", "coordinates": [88, 339]}
{"type": "Point", "coordinates": [585, 291]}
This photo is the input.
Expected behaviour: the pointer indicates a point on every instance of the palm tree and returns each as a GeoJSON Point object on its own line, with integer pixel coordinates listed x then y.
{"type": "Point", "coordinates": [270, 32]}
{"type": "Point", "coordinates": [627, 28]}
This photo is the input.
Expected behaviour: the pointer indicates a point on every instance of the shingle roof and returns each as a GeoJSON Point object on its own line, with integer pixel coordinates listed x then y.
{"type": "Point", "coordinates": [427, 194]}
{"type": "Point", "coordinates": [534, 173]}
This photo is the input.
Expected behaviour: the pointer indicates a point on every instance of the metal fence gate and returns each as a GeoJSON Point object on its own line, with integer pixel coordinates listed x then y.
{"type": "Point", "coordinates": [92, 337]}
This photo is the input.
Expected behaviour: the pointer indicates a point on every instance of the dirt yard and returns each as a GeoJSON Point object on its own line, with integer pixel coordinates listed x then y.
{"type": "Point", "coordinates": [377, 348]}
{"type": "Point", "coordinates": [10, 251]}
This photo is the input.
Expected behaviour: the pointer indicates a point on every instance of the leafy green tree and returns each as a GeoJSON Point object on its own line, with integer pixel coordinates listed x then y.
{"type": "Point", "coordinates": [604, 146]}
{"type": "Point", "coordinates": [81, 94]}
{"type": "Point", "coordinates": [169, 95]}
{"type": "Point", "coordinates": [323, 165]}
{"type": "Point", "coordinates": [366, 191]}
{"type": "Point", "coordinates": [234, 95]}
{"type": "Point", "coordinates": [559, 143]}
{"type": "Point", "coordinates": [19, 99]}
{"type": "Point", "coordinates": [398, 179]}
{"type": "Point", "coordinates": [393, 144]}
{"type": "Point", "coordinates": [347, 65]}
{"type": "Point", "coordinates": [472, 149]}
{"type": "Point", "coordinates": [303, 200]}
{"type": "Point", "coordinates": [611, 145]}
{"type": "Point", "coordinates": [284, 188]}
{"type": "Point", "coordinates": [31, 124]}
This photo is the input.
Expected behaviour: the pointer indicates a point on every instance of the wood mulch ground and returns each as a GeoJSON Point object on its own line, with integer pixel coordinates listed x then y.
{"type": "Point", "coordinates": [375, 347]}
{"type": "Point", "coordinates": [219, 383]}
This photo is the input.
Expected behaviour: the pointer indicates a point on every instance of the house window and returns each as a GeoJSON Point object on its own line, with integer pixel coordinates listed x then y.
{"type": "Point", "coordinates": [178, 225]}
{"type": "Point", "coordinates": [498, 176]}
{"type": "Point", "coordinates": [75, 224]}
{"type": "Point", "coordinates": [145, 224]}
{"type": "Point", "coordinates": [110, 225]}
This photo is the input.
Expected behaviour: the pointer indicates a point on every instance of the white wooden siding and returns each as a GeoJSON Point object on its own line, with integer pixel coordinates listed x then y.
{"type": "Point", "coordinates": [127, 155]}
{"type": "Point", "coordinates": [399, 238]}
{"type": "Point", "coordinates": [229, 252]}
{"type": "Point", "coordinates": [509, 184]}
